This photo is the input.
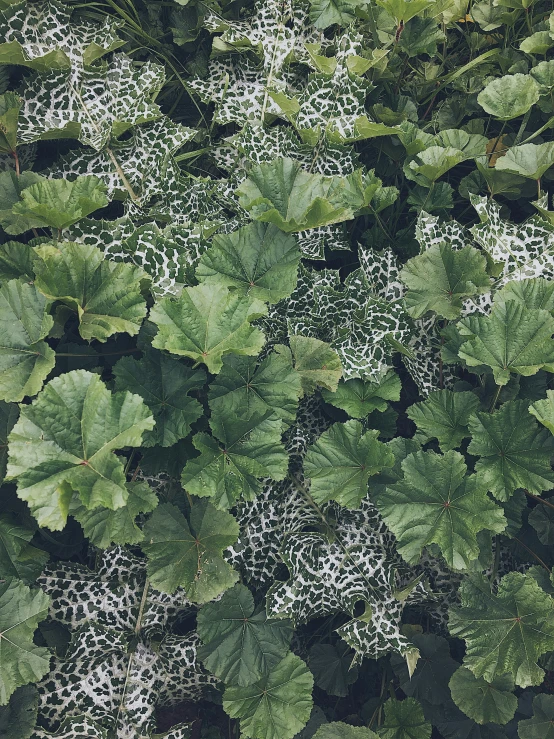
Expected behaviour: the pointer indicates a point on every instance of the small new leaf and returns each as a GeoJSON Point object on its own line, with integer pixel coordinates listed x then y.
{"type": "Point", "coordinates": [404, 720]}
{"type": "Point", "coordinates": [360, 397]}
{"type": "Point", "coordinates": [317, 364]}
{"type": "Point", "coordinates": [541, 726]}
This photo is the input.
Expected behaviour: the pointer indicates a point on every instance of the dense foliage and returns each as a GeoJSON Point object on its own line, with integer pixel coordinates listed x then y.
{"type": "Point", "coordinates": [276, 369]}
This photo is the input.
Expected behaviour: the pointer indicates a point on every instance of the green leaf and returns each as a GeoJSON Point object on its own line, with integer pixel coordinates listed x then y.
{"type": "Point", "coordinates": [404, 720]}
{"type": "Point", "coordinates": [9, 113]}
{"type": "Point", "coordinates": [331, 665]}
{"type": "Point", "coordinates": [534, 294]}
{"type": "Point", "coordinates": [206, 322]}
{"type": "Point", "coordinates": [56, 204]}
{"type": "Point", "coordinates": [431, 163]}
{"type": "Point", "coordinates": [360, 397]}
{"type": "Point", "coordinates": [104, 527]}
{"type": "Point", "coordinates": [543, 410]}
{"type": "Point", "coordinates": [341, 462]}
{"type": "Point", "coordinates": [317, 364]}
{"type": "Point", "coordinates": [164, 383]}
{"type": "Point", "coordinates": [514, 451]}
{"type": "Point", "coordinates": [21, 609]}
{"type": "Point", "coordinates": [440, 279]}
{"type": "Point", "coordinates": [436, 502]}
{"type": "Point", "coordinates": [404, 10]}
{"type": "Point", "coordinates": [18, 558]}
{"type": "Point", "coordinates": [340, 730]}
{"type": "Point", "coordinates": [232, 462]}
{"type": "Point", "coordinates": [483, 701]}
{"type": "Point", "coordinates": [506, 632]}
{"type": "Point", "coordinates": [11, 187]}
{"type": "Point", "coordinates": [65, 440]}
{"type": "Point", "coordinates": [435, 667]}
{"type": "Point", "coordinates": [294, 200]}
{"type": "Point", "coordinates": [276, 707]}
{"type": "Point", "coordinates": [188, 554]}
{"type": "Point", "coordinates": [511, 339]}
{"type": "Point", "coordinates": [528, 160]}
{"type": "Point", "coordinates": [325, 13]}
{"type": "Point", "coordinates": [19, 716]}
{"type": "Point", "coordinates": [16, 261]}
{"type": "Point", "coordinates": [444, 415]}
{"type": "Point", "coordinates": [105, 295]}
{"type": "Point", "coordinates": [25, 359]}
{"type": "Point", "coordinates": [246, 388]}
{"type": "Point", "coordinates": [241, 645]}
{"type": "Point", "coordinates": [258, 260]}
{"type": "Point", "coordinates": [541, 726]}
{"type": "Point", "coordinates": [509, 96]}
{"type": "Point", "coordinates": [541, 519]}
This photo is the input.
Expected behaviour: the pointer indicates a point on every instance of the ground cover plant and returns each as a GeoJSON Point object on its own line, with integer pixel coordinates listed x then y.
{"type": "Point", "coordinates": [276, 369]}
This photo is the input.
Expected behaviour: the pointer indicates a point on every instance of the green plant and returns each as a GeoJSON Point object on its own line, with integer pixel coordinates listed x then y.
{"type": "Point", "coordinates": [276, 359]}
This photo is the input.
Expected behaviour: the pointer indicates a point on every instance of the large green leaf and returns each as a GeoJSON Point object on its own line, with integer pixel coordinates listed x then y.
{"type": "Point", "coordinates": [506, 632]}
{"type": "Point", "coordinates": [246, 388]}
{"type": "Point", "coordinates": [65, 441]}
{"type": "Point", "coordinates": [514, 451]}
{"type": "Point", "coordinates": [511, 339]}
{"type": "Point", "coordinates": [277, 706]}
{"type": "Point", "coordinates": [484, 701]}
{"type": "Point", "coordinates": [56, 204]}
{"type": "Point", "coordinates": [258, 260]}
{"type": "Point", "coordinates": [241, 645]}
{"type": "Point", "coordinates": [437, 502]}
{"type": "Point", "coordinates": [440, 279]}
{"type": "Point", "coordinates": [188, 554]}
{"type": "Point", "coordinates": [541, 725]}
{"type": "Point", "coordinates": [232, 462]}
{"type": "Point", "coordinates": [25, 359]}
{"type": "Point", "coordinates": [105, 295]}
{"type": "Point", "coordinates": [164, 383]}
{"type": "Point", "coordinates": [294, 200]}
{"type": "Point", "coordinates": [23, 662]}
{"type": "Point", "coordinates": [444, 415]}
{"type": "Point", "coordinates": [11, 187]}
{"type": "Point", "coordinates": [404, 720]}
{"type": "Point", "coordinates": [509, 96]}
{"type": "Point", "coordinates": [325, 13]}
{"type": "Point", "coordinates": [341, 462]}
{"type": "Point", "coordinates": [359, 397]}
{"type": "Point", "coordinates": [206, 322]}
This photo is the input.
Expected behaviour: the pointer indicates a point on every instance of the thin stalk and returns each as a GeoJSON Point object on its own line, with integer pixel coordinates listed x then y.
{"type": "Point", "coordinates": [495, 399]}
{"type": "Point", "coordinates": [539, 500]}
{"type": "Point", "coordinates": [534, 554]}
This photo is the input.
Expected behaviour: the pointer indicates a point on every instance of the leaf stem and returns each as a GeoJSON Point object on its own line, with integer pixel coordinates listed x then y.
{"type": "Point", "coordinates": [495, 398]}
{"type": "Point", "coordinates": [538, 499]}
